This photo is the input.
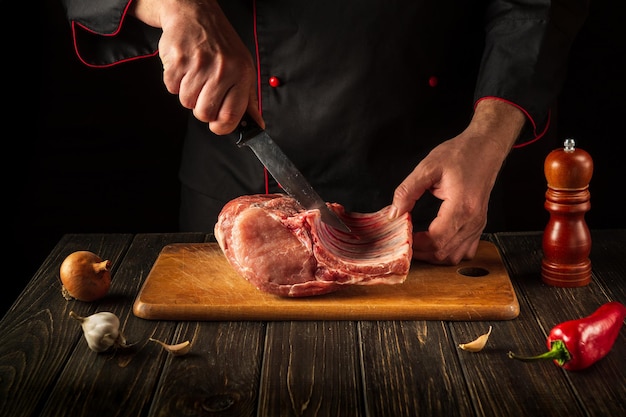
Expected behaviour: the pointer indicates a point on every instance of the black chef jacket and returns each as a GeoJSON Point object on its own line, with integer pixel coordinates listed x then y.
{"type": "Point", "coordinates": [361, 90]}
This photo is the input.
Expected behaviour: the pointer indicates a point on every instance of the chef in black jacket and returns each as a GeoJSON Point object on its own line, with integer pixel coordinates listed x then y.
{"type": "Point", "coordinates": [377, 102]}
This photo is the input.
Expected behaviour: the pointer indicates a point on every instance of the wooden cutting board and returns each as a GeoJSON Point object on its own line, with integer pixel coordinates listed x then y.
{"type": "Point", "coordinates": [193, 281]}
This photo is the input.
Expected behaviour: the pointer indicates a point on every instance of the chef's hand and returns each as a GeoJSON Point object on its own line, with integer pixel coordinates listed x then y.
{"type": "Point", "coordinates": [461, 172]}
{"type": "Point", "coordinates": [204, 60]}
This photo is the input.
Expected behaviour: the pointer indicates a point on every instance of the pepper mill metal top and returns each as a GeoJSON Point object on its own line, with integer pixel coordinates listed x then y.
{"type": "Point", "coordinates": [569, 145]}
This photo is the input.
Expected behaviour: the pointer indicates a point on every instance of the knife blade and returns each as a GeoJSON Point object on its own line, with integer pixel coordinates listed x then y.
{"type": "Point", "coordinates": [250, 134]}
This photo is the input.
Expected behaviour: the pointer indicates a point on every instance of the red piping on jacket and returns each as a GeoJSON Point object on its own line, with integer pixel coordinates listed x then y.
{"type": "Point", "coordinates": [76, 24]}
{"type": "Point", "coordinates": [258, 83]}
{"type": "Point", "coordinates": [537, 136]}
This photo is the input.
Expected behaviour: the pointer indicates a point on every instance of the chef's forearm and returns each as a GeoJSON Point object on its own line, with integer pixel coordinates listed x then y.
{"type": "Point", "coordinates": [157, 13]}
{"type": "Point", "coordinates": [147, 11]}
{"type": "Point", "coordinates": [498, 120]}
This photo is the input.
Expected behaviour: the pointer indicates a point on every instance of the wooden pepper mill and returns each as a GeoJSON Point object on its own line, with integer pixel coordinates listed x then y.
{"type": "Point", "coordinates": [566, 238]}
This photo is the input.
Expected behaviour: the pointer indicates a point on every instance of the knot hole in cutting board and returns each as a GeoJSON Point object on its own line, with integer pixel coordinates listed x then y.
{"type": "Point", "coordinates": [473, 271]}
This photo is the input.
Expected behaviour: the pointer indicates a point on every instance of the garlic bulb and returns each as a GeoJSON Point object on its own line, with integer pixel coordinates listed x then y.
{"type": "Point", "coordinates": [101, 330]}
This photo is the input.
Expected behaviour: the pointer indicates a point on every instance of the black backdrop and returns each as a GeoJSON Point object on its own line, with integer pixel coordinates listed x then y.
{"type": "Point", "coordinates": [90, 150]}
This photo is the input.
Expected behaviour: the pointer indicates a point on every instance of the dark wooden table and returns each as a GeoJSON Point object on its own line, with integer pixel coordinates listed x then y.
{"type": "Point", "coordinates": [305, 368]}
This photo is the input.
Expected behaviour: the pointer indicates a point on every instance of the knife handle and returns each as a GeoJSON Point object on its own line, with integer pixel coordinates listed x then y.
{"type": "Point", "coordinates": [246, 130]}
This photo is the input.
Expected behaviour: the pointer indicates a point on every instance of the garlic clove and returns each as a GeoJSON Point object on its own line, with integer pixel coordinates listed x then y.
{"type": "Point", "coordinates": [178, 349]}
{"type": "Point", "coordinates": [478, 344]}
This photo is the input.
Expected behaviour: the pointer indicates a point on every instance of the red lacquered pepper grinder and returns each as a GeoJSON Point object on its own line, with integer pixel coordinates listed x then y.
{"type": "Point", "coordinates": [566, 238]}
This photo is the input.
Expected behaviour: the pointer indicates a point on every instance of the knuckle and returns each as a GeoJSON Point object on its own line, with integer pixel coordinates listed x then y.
{"type": "Point", "coordinates": [200, 115]}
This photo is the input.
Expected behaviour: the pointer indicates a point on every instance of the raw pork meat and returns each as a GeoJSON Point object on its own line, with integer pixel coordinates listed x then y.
{"type": "Point", "coordinates": [285, 250]}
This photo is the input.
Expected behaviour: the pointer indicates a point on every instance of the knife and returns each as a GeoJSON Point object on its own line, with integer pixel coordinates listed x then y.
{"type": "Point", "coordinates": [250, 134]}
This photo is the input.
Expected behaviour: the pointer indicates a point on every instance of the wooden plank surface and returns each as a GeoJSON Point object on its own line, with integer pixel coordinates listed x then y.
{"type": "Point", "coordinates": [37, 337]}
{"type": "Point", "coordinates": [195, 282]}
{"type": "Point", "coordinates": [86, 384]}
{"type": "Point", "coordinates": [410, 368]}
{"type": "Point", "coordinates": [218, 377]}
{"type": "Point", "coordinates": [275, 368]}
{"type": "Point", "coordinates": [311, 368]}
{"type": "Point", "coordinates": [602, 387]}
{"type": "Point", "coordinates": [498, 383]}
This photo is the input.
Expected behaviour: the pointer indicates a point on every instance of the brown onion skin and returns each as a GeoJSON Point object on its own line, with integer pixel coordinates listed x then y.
{"type": "Point", "coordinates": [85, 276]}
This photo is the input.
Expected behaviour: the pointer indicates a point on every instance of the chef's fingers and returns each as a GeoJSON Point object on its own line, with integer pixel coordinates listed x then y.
{"type": "Point", "coordinates": [198, 92]}
{"type": "Point", "coordinates": [426, 249]}
{"type": "Point", "coordinates": [253, 108]}
{"type": "Point", "coordinates": [408, 192]}
{"type": "Point", "coordinates": [236, 103]}
{"type": "Point", "coordinates": [181, 77]}
{"type": "Point", "coordinates": [451, 237]}
{"type": "Point", "coordinates": [207, 64]}
{"type": "Point", "coordinates": [222, 113]}
{"type": "Point", "coordinates": [173, 72]}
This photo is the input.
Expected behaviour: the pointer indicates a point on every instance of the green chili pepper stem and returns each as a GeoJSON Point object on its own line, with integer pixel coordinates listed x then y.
{"type": "Point", "coordinates": [557, 352]}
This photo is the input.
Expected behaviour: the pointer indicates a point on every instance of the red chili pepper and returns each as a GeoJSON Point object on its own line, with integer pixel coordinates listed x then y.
{"type": "Point", "coordinates": [578, 344]}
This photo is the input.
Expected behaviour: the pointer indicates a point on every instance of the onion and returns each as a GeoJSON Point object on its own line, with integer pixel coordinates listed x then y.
{"type": "Point", "coordinates": [85, 276]}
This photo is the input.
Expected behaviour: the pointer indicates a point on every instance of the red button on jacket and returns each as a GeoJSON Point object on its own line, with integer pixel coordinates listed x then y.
{"type": "Point", "coordinates": [274, 81]}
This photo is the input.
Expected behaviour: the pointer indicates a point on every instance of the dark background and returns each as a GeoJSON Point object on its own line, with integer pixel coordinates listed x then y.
{"type": "Point", "coordinates": [97, 150]}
